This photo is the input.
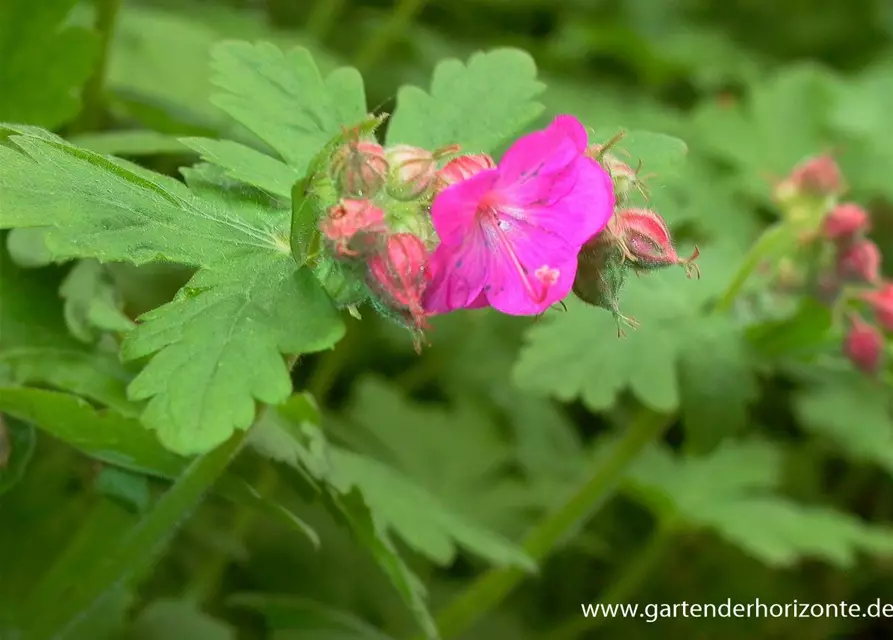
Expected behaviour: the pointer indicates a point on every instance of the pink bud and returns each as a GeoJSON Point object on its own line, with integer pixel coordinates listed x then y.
{"type": "Point", "coordinates": [861, 262]}
{"type": "Point", "coordinates": [413, 171]}
{"type": "Point", "coordinates": [359, 168]}
{"type": "Point", "coordinates": [646, 240]}
{"type": "Point", "coordinates": [462, 168]}
{"type": "Point", "coordinates": [398, 273]}
{"type": "Point", "coordinates": [864, 345]}
{"type": "Point", "coordinates": [881, 301]}
{"type": "Point", "coordinates": [844, 221]}
{"type": "Point", "coordinates": [352, 222]}
{"type": "Point", "coordinates": [819, 176]}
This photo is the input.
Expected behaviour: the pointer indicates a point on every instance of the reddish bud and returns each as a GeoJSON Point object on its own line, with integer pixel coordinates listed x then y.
{"type": "Point", "coordinates": [860, 262]}
{"type": "Point", "coordinates": [817, 176]}
{"type": "Point", "coordinates": [462, 168]}
{"type": "Point", "coordinates": [881, 301]}
{"type": "Point", "coordinates": [864, 345]}
{"type": "Point", "coordinates": [647, 242]}
{"type": "Point", "coordinates": [359, 168]}
{"type": "Point", "coordinates": [398, 273]}
{"type": "Point", "coordinates": [844, 221]}
{"type": "Point", "coordinates": [413, 171]}
{"type": "Point", "coordinates": [351, 223]}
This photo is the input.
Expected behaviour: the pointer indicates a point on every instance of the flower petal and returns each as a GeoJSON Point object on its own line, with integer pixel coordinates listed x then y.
{"type": "Point", "coordinates": [457, 275]}
{"type": "Point", "coordinates": [454, 211]}
{"type": "Point", "coordinates": [573, 129]}
{"type": "Point", "coordinates": [528, 269]}
{"type": "Point", "coordinates": [582, 212]}
{"type": "Point", "coordinates": [533, 162]}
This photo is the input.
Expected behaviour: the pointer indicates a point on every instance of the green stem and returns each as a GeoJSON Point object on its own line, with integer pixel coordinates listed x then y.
{"type": "Point", "coordinates": [134, 556]}
{"type": "Point", "coordinates": [94, 90]}
{"type": "Point", "coordinates": [324, 15]}
{"type": "Point", "coordinates": [768, 244]}
{"type": "Point", "coordinates": [401, 18]}
{"type": "Point", "coordinates": [208, 579]}
{"type": "Point", "coordinates": [328, 367]}
{"type": "Point", "coordinates": [491, 588]}
{"type": "Point", "coordinates": [628, 583]}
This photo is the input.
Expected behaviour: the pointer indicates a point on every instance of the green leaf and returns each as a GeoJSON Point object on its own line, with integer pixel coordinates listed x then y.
{"type": "Point", "coordinates": [135, 552]}
{"type": "Point", "coordinates": [136, 142]}
{"type": "Point", "coordinates": [178, 620]}
{"type": "Point", "coordinates": [113, 211]}
{"type": "Point", "coordinates": [100, 433]}
{"type": "Point", "coordinates": [17, 442]}
{"type": "Point", "coordinates": [424, 524]}
{"type": "Point", "coordinates": [457, 455]}
{"type": "Point", "coordinates": [306, 619]}
{"type": "Point", "coordinates": [92, 303]}
{"type": "Point", "coordinates": [247, 165]}
{"type": "Point", "coordinates": [578, 354]}
{"type": "Point", "coordinates": [396, 503]}
{"type": "Point", "coordinates": [219, 344]}
{"type": "Point", "coordinates": [44, 62]}
{"type": "Point", "coordinates": [853, 412]}
{"type": "Point", "coordinates": [283, 99]}
{"type": "Point", "coordinates": [734, 492]}
{"type": "Point", "coordinates": [479, 105]}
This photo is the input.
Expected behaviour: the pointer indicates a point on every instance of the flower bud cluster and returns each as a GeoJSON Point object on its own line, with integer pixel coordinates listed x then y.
{"type": "Point", "coordinates": [381, 221]}
{"type": "Point", "coordinates": [851, 279]}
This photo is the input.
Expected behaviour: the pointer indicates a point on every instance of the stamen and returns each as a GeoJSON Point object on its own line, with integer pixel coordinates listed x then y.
{"type": "Point", "coordinates": [493, 222]}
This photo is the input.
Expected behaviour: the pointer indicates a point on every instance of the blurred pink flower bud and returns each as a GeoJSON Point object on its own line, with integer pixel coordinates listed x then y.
{"type": "Point", "coordinates": [647, 241]}
{"type": "Point", "coordinates": [398, 272]}
{"type": "Point", "coordinates": [844, 221]}
{"type": "Point", "coordinates": [860, 262]}
{"type": "Point", "coordinates": [359, 168]}
{"type": "Point", "coordinates": [881, 301]}
{"type": "Point", "coordinates": [462, 168]}
{"type": "Point", "coordinates": [817, 176]}
{"type": "Point", "coordinates": [864, 345]}
{"type": "Point", "coordinates": [353, 222]}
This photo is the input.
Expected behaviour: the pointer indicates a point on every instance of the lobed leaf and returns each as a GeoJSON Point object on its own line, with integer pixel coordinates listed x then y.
{"type": "Point", "coordinates": [110, 210]}
{"type": "Point", "coordinates": [283, 99]}
{"type": "Point", "coordinates": [734, 491]}
{"type": "Point", "coordinates": [218, 347]}
{"type": "Point", "coordinates": [478, 105]}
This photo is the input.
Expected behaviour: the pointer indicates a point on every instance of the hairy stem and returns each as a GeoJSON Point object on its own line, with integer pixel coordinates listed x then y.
{"type": "Point", "coordinates": [491, 588]}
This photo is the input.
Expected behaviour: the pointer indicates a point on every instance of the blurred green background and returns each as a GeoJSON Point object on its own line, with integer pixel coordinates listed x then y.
{"type": "Point", "coordinates": [791, 497]}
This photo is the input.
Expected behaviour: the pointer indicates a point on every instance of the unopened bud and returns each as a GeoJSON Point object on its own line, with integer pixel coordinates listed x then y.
{"type": "Point", "coordinates": [864, 346]}
{"type": "Point", "coordinates": [462, 168]}
{"type": "Point", "coordinates": [601, 273]}
{"type": "Point", "coordinates": [398, 271]}
{"type": "Point", "coordinates": [413, 170]}
{"type": "Point", "coordinates": [845, 221]}
{"type": "Point", "coordinates": [817, 176]}
{"type": "Point", "coordinates": [881, 301]}
{"type": "Point", "coordinates": [359, 168]}
{"type": "Point", "coordinates": [860, 262]}
{"type": "Point", "coordinates": [647, 242]}
{"type": "Point", "coordinates": [352, 227]}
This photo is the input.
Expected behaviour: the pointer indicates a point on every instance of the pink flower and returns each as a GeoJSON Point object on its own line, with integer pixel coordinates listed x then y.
{"type": "Point", "coordinates": [509, 236]}
{"type": "Point", "coordinates": [844, 221]}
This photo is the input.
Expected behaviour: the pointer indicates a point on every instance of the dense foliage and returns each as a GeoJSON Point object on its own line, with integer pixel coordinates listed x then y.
{"type": "Point", "coordinates": [220, 418]}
